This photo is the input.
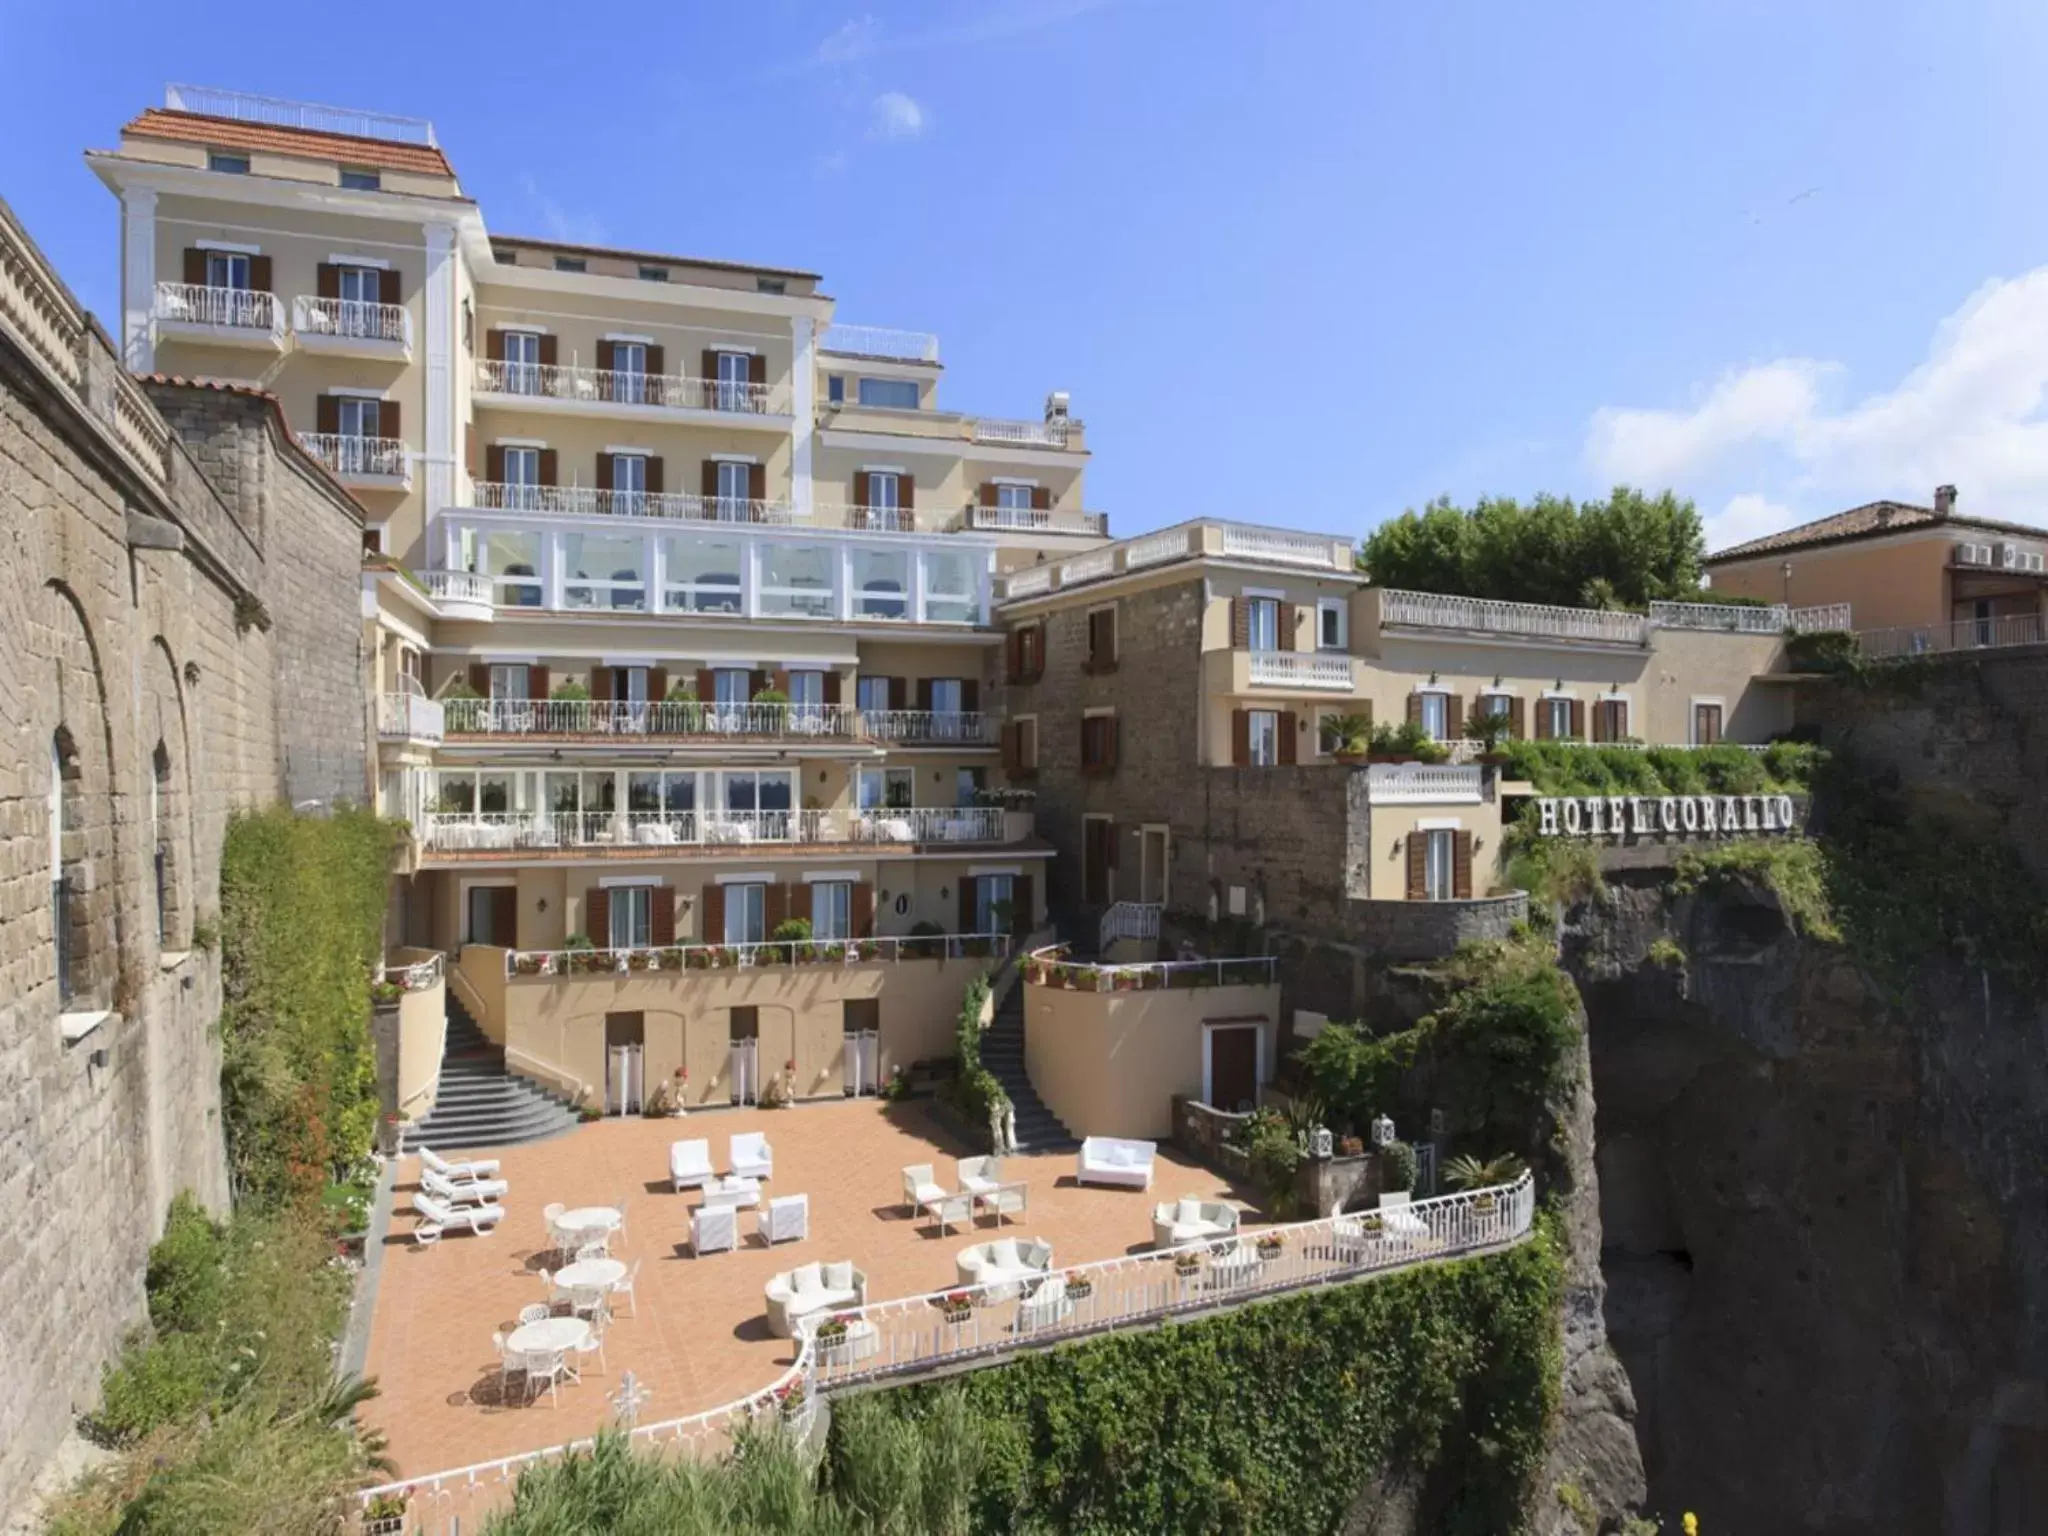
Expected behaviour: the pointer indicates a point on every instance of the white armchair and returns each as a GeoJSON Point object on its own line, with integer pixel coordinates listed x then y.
{"type": "Point", "coordinates": [689, 1164]}
{"type": "Point", "coordinates": [1190, 1221]}
{"type": "Point", "coordinates": [752, 1157]}
{"type": "Point", "coordinates": [979, 1175]}
{"type": "Point", "coordinates": [1003, 1266]}
{"type": "Point", "coordinates": [920, 1187]}
{"type": "Point", "coordinates": [784, 1219]}
{"type": "Point", "coordinates": [813, 1288]}
{"type": "Point", "coordinates": [714, 1229]}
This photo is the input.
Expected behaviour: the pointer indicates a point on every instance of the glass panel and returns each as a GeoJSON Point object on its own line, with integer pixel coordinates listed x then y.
{"type": "Point", "coordinates": [1265, 624]}
{"type": "Point", "coordinates": [1265, 738]}
{"type": "Point", "coordinates": [1437, 866]}
{"type": "Point", "coordinates": [871, 694]}
{"type": "Point", "coordinates": [832, 909]}
{"type": "Point", "coordinates": [456, 794]}
{"type": "Point", "coordinates": [745, 914]}
{"type": "Point", "coordinates": [703, 575]}
{"type": "Point", "coordinates": [967, 784]}
{"type": "Point", "coordinates": [735, 489]}
{"type": "Point", "coordinates": [512, 560]}
{"type": "Point", "coordinates": [226, 269]}
{"type": "Point", "coordinates": [989, 891]}
{"type": "Point", "coordinates": [561, 793]}
{"type": "Point", "coordinates": [643, 792]}
{"type": "Point", "coordinates": [603, 570]}
{"type": "Point", "coordinates": [881, 577]}
{"type": "Point", "coordinates": [680, 791]}
{"type": "Point", "coordinates": [632, 917]}
{"type": "Point", "coordinates": [945, 695]}
{"type": "Point", "coordinates": [495, 793]}
{"type": "Point", "coordinates": [731, 685]}
{"type": "Point", "coordinates": [949, 588]}
{"type": "Point", "coordinates": [807, 688]}
{"type": "Point", "coordinates": [890, 394]}
{"type": "Point", "coordinates": [629, 485]}
{"type": "Point", "coordinates": [510, 681]}
{"type": "Point", "coordinates": [1435, 715]}
{"type": "Point", "coordinates": [1017, 498]}
{"type": "Point", "coordinates": [522, 363]}
{"type": "Point", "coordinates": [884, 489]}
{"type": "Point", "coordinates": [797, 581]}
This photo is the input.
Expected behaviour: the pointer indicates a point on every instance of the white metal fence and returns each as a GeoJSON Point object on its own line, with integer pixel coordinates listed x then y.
{"type": "Point", "coordinates": [589, 501]}
{"type": "Point", "coordinates": [242, 309]}
{"type": "Point", "coordinates": [247, 107]}
{"type": "Point", "coordinates": [458, 831]}
{"type": "Point", "coordinates": [754, 956]}
{"type": "Point", "coordinates": [352, 319]}
{"type": "Point", "coordinates": [691, 717]}
{"type": "Point", "coordinates": [1749, 619]}
{"type": "Point", "coordinates": [880, 341]}
{"type": "Point", "coordinates": [347, 455]}
{"type": "Point", "coordinates": [1137, 920]}
{"type": "Point", "coordinates": [603, 386]}
{"type": "Point", "coordinates": [1962, 635]}
{"type": "Point", "coordinates": [1433, 610]}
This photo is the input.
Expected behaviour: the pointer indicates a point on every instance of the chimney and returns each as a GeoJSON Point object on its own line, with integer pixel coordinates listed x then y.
{"type": "Point", "coordinates": [1944, 501]}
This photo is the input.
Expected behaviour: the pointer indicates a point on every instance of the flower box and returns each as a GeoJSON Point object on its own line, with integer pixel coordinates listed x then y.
{"type": "Point", "coordinates": [1080, 1288]}
{"type": "Point", "coordinates": [1188, 1264]}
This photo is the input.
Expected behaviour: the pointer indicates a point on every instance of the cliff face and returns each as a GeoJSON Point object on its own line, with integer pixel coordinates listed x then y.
{"type": "Point", "coordinates": [1824, 1215]}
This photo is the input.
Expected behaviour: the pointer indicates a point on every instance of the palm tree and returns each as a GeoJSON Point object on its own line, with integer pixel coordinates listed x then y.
{"type": "Point", "coordinates": [1469, 1172]}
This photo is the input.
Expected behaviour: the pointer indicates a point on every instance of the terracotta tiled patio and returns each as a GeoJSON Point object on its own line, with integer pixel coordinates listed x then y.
{"type": "Point", "coordinates": [700, 1337]}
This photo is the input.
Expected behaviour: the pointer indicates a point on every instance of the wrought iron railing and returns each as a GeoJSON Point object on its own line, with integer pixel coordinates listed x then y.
{"type": "Point", "coordinates": [241, 309]}
{"type": "Point", "coordinates": [818, 950]}
{"type": "Point", "coordinates": [385, 457]}
{"type": "Point", "coordinates": [589, 501]}
{"type": "Point", "coordinates": [605, 386]}
{"type": "Point", "coordinates": [511, 832]}
{"type": "Point", "coordinates": [352, 319]}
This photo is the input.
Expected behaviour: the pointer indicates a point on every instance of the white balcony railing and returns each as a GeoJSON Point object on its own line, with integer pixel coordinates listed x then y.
{"type": "Point", "coordinates": [458, 586]}
{"type": "Point", "coordinates": [1028, 582]}
{"type": "Point", "coordinates": [1135, 920]}
{"type": "Point", "coordinates": [588, 501]}
{"type": "Point", "coordinates": [1156, 548]}
{"type": "Point", "coordinates": [879, 341]}
{"type": "Point", "coordinates": [927, 726]}
{"type": "Point", "coordinates": [664, 717]}
{"type": "Point", "coordinates": [352, 320]}
{"type": "Point", "coordinates": [359, 457]}
{"type": "Point", "coordinates": [1089, 567]}
{"type": "Point", "coordinates": [962, 824]}
{"type": "Point", "coordinates": [1732, 618]}
{"type": "Point", "coordinates": [1434, 610]}
{"type": "Point", "coordinates": [1962, 635]}
{"type": "Point", "coordinates": [524, 963]}
{"type": "Point", "coordinates": [1300, 669]}
{"type": "Point", "coordinates": [544, 831]}
{"type": "Point", "coordinates": [878, 519]}
{"type": "Point", "coordinates": [239, 309]}
{"type": "Point", "coordinates": [1024, 434]}
{"type": "Point", "coordinates": [1424, 784]}
{"type": "Point", "coordinates": [1281, 547]}
{"type": "Point", "coordinates": [1819, 619]}
{"type": "Point", "coordinates": [410, 717]}
{"type": "Point", "coordinates": [1036, 520]}
{"type": "Point", "coordinates": [599, 386]}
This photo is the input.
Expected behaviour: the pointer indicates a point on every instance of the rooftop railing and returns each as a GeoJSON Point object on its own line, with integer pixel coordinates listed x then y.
{"type": "Point", "coordinates": [1050, 967]}
{"type": "Point", "coordinates": [1747, 619]}
{"type": "Point", "coordinates": [753, 956]}
{"type": "Point", "coordinates": [1943, 639]}
{"type": "Point", "coordinates": [1023, 434]}
{"type": "Point", "coordinates": [1434, 610]}
{"type": "Point", "coordinates": [280, 112]}
{"type": "Point", "coordinates": [686, 718]}
{"type": "Point", "coordinates": [601, 386]}
{"type": "Point", "coordinates": [1036, 520]}
{"type": "Point", "coordinates": [879, 341]}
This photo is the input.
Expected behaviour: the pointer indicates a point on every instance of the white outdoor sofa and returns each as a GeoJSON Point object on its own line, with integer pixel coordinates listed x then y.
{"type": "Point", "coordinates": [689, 1163]}
{"type": "Point", "coordinates": [810, 1288]}
{"type": "Point", "coordinates": [436, 1218]}
{"type": "Point", "coordinates": [1110, 1160]}
{"type": "Point", "coordinates": [1190, 1221]}
{"type": "Point", "coordinates": [1005, 1265]}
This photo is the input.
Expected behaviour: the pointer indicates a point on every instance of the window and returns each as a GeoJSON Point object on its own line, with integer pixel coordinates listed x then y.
{"type": "Point", "coordinates": [1264, 725]}
{"type": "Point", "coordinates": [946, 696]}
{"type": "Point", "coordinates": [356, 417]}
{"type": "Point", "coordinates": [653, 274]}
{"type": "Point", "coordinates": [602, 570]}
{"type": "Point", "coordinates": [890, 789]}
{"type": "Point", "coordinates": [1436, 716]}
{"type": "Point", "coordinates": [1706, 724]}
{"type": "Point", "coordinates": [512, 561]}
{"type": "Point", "coordinates": [632, 916]}
{"type": "Point", "coordinates": [1101, 641]}
{"type": "Point", "coordinates": [1500, 704]}
{"type": "Point", "coordinates": [629, 484]}
{"type": "Point", "coordinates": [702, 576]}
{"type": "Point", "coordinates": [993, 897]}
{"type": "Point", "coordinates": [735, 381]}
{"type": "Point", "coordinates": [1610, 720]}
{"type": "Point", "coordinates": [968, 784]}
{"type": "Point", "coordinates": [1013, 498]}
{"type": "Point", "coordinates": [732, 685]}
{"type": "Point", "coordinates": [771, 285]}
{"type": "Point", "coordinates": [1438, 863]}
{"type": "Point", "coordinates": [832, 909]}
{"type": "Point", "coordinates": [509, 681]}
{"type": "Point", "coordinates": [950, 595]}
{"type": "Point", "coordinates": [629, 372]}
{"type": "Point", "coordinates": [1027, 654]}
{"type": "Point", "coordinates": [881, 578]}
{"type": "Point", "coordinates": [808, 690]}
{"type": "Point", "coordinates": [522, 363]}
{"type": "Point", "coordinates": [1024, 747]}
{"type": "Point", "coordinates": [1098, 744]}
{"type": "Point", "coordinates": [504, 256]}
{"type": "Point", "coordinates": [835, 388]}
{"type": "Point", "coordinates": [228, 269]}
{"type": "Point", "coordinates": [373, 538]}
{"type": "Point", "coordinates": [760, 801]}
{"type": "Point", "coordinates": [746, 918]}
{"type": "Point", "coordinates": [889, 394]}
{"type": "Point", "coordinates": [1554, 715]}
{"type": "Point", "coordinates": [159, 791]}
{"type": "Point", "coordinates": [885, 489]}
{"type": "Point", "coordinates": [871, 695]}
{"type": "Point", "coordinates": [735, 490]}
{"type": "Point", "coordinates": [1332, 623]}
{"type": "Point", "coordinates": [233, 165]}
{"type": "Point", "coordinates": [798, 581]}
{"type": "Point", "coordinates": [1263, 614]}
{"type": "Point", "coordinates": [571, 264]}
{"type": "Point", "coordinates": [361, 180]}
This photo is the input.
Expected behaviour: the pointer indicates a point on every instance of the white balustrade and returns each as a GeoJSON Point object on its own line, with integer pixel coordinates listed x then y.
{"type": "Point", "coordinates": [877, 519]}
{"type": "Point", "coordinates": [1136, 920]}
{"type": "Point", "coordinates": [520, 963]}
{"type": "Point", "coordinates": [421, 976]}
{"type": "Point", "coordinates": [247, 107]}
{"type": "Point", "coordinates": [1818, 619]}
{"type": "Point", "coordinates": [352, 319]}
{"type": "Point", "coordinates": [1282, 547]}
{"type": "Point", "coordinates": [880, 341]}
{"type": "Point", "coordinates": [601, 386]}
{"type": "Point", "coordinates": [1156, 548]}
{"type": "Point", "coordinates": [1028, 582]}
{"type": "Point", "coordinates": [588, 501]}
{"type": "Point", "coordinates": [1025, 434]}
{"type": "Point", "coordinates": [1301, 669]}
{"type": "Point", "coordinates": [241, 309]}
{"type": "Point", "coordinates": [1089, 567]}
{"type": "Point", "coordinates": [1036, 520]}
{"type": "Point", "coordinates": [651, 717]}
{"type": "Point", "coordinates": [411, 717]}
{"type": "Point", "coordinates": [1736, 618]}
{"type": "Point", "coordinates": [913, 726]}
{"type": "Point", "coordinates": [460, 831]}
{"type": "Point", "coordinates": [1435, 610]}
{"type": "Point", "coordinates": [1424, 784]}
{"type": "Point", "coordinates": [352, 457]}
{"type": "Point", "coordinates": [458, 586]}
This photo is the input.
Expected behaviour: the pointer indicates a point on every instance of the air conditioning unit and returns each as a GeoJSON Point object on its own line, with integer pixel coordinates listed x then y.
{"type": "Point", "coordinates": [2012, 558]}
{"type": "Point", "coordinates": [1973, 554]}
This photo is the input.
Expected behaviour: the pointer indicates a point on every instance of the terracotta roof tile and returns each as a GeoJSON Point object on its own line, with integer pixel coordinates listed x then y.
{"type": "Point", "coordinates": [232, 133]}
{"type": "Point", "coordinates": [1870, 520]}
{"type": "Point", "coordinates": [529, 243]}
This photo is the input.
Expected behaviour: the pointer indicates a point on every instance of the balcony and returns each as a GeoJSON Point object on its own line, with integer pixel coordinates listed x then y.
{"type": "Point", "coordinates": [1318, 674]}
{"type": "Point", "coordinates": [459, 594]}
{"type": "Point", "coordinates": [351, 328]}
{"type": "Point", "coordinates": [647, 396]}
{"type": "Point", "coordinates": [1484, 617]}
{"type": "Point", "coordinates": [410, 717]}
{"type": "Point", "coordinates": [522, 964]}
{"type": "Point", "coordinates": [1050, 433]}
{"type": "Point", "coordinates": [1186, 541]}
{"type": "Point", "coordinates": [588, 501]}
{"type": "Point", "coordinates": [673, 720]}
{"type": "Point", "coordinates": [366, 463]}
{"type": "Point", "coordinates": [1424, 784]}
{"type": "Point", "coordinates": [1037, 520]}
{"type": "Point", "coordinates": [221, 317]}
{"type": "Point", "coordinates": [662, 834]}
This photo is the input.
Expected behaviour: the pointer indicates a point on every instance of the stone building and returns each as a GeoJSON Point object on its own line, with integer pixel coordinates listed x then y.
{"type": "Point", "coordinates": [181, 636]}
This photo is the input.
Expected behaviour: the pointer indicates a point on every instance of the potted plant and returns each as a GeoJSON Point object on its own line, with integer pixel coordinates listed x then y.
{"type": "Point", "coordinates": [1491, 729]}
{"type": "Point", "coordinates": [671, 958]}
{"type": "Point", "coordinates": [1187, 1265]}
{"type": "Point", "coordinates": [1397, 1166]}
{"type": "Point", "coordinates": [1351, 1146]}
{"type": "Point", "coordinates": [527, 963]}
{"type": "Point", "coordinates": [1079, 1287]}
{"type": "Point", "coordinates": [789, 1400]}
{"type": "Point", "coordinates": [1467, 1172]}
{"type": "Point", "coordinates": [1270, 1246]}
{"type": "Point", "coordinates": [384, 1513]}
{"type": "Point", "coordinates": [955, 1306]}
{"type": "Point", "coordinates": [384, 994]}
{"type": "Point", "coordinates": [639, 959]}
{"type": "Point", "coordinates": [897, 1086]}
{"type": "Point", "coordinates": [1348, 738]}
{"type": "Point", "coordinates": [771, 696]}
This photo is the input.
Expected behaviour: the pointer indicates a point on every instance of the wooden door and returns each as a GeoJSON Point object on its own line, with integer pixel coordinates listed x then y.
{"type": "Point", "coordinates": [1234, 1068]}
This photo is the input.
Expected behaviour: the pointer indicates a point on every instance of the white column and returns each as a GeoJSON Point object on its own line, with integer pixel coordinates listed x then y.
{"type": "Point", "coordinates": [657, 574]}
{"type": "Point", "coordinates": [803, 384]}
{"type": "Point", "coordinates": [845, 583]}
{"type": "Point", "coordinates": [138, 278]}
{"type": "Point", "coordinates": [440, 385]}
{"type": "Point", "coordinates": [750, 578]}
{"type": "Point", "coordinates": [551, 570]}
{"type": "Point", "coordinates": [917, 586]}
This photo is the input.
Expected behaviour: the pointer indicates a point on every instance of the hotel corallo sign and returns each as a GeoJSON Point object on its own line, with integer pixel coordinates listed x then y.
{"type": "Point", "coordinates": [1620, 816]}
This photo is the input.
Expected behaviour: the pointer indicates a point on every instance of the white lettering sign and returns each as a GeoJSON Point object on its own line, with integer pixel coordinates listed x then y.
{"type": "Point", "coordinates": [1616, 817]}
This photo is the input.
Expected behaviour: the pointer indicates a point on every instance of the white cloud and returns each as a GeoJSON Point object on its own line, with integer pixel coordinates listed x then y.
{"type": "Point", "coordinates": [896, 116]}
{"type": "Point", "coordinates": [1970, 414]}
{"type": "Point", "coordinates": [861, 38]}
{"type": "Point", "coordinates": [855, 40]}
{"type": "Point", "coordinates": [1745, 517]}
{"type": "Point", "coordinates": [565, 225]}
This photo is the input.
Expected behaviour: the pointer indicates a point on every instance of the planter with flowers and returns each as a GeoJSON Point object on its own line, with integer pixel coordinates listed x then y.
{"type": "Point", "coordinates": [1187, 1265]}
{"type": "Point", "coordinates": [1270, 1246]}
{"type": "Point", "coordinates": [384, 1514]}
{"type": "Point", "coordinates": [639, 959]}
{"type": "Point", "coordinates": [955, 1307]}
{"type": "Point", "coordinates": [790, 1401]}
{"type": "Point", "coordinates": [524, 964]}
{"type": "Point", "coordinates": [670, 959]}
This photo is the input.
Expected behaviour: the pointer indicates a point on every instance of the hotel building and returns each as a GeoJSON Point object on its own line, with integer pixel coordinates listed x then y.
{"type": "Point", "coordinates": [678, 591]}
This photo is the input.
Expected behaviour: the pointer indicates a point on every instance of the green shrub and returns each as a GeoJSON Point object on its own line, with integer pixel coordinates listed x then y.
{"type": "Point", "coordinates": [1397, 1166]}
{"type": "Point", "coordinates": [1574, 768]}
{"type": "Point", "coordinates": [792, 930]}
{"type": "Point", "coordinates": [976, 1090]}
{"type": "Point", "coordinates": [1833, 650]}
{"type": "Point", "coordinates": [1273, 1148]}
{"type": "Point", "coordinates": [570, 691]}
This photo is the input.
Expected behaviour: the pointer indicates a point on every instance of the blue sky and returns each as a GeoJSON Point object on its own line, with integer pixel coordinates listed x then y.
{"type": "Point", "coordinates": [1305, 263]}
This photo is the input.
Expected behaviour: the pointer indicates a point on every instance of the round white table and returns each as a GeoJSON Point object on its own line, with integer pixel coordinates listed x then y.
{"type": "Point", "coordinates": [550, 1333]}
{"type": "Point", "coordinates": [586, 1222]}
{"type": "Point", "coordinates": [590, 1275]}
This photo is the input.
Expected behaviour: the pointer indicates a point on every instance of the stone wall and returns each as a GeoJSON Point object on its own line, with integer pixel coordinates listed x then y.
{"type": "Point", "coordinates": [141, 713]}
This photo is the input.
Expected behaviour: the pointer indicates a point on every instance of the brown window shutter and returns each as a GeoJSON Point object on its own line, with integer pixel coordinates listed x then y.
{"type": "Point", "coordinates": [899, 693]}
{"type": "Point", "coordinates": [601, 685]}
{"type": "Point", "coordinates": [604, 471]}
{"type": "Point", "coordinates": [662, 921]}
{"type": "Point", "coordinates": [494, 344]}
{"type": "Point", "coordinates": [833, 684]}
{"type": "Point", "coordinates": [259, 273]}
{"type": "Point", "coordinates": [1023, 904]}
{"type": "Point", "coordinates": [970, 695]}
{"type": "Point", "coordinates": [195, 266]}
{"type": "Point", "coordinates": [1418, 874]}
{"type": "Point", "coordinates": [1240, 624]}
{"type": "Point", "coordinates": [757, 482]}
{"type": "Point", "coordinates": [988, 493]}
{"type": "Point", "coordinates": [779, 680]}
{"type": "Point", "coordinates": [906, 491]}
{"type": "Point", "coordinates": [1454, 716]}
{"type": "Point", "coordinates": [1461, 865]}
{"type": "Point", "coordinates": [607, 356]}
{"type": "Point", "coordinates": [326, 414]}
{"type": "Point", "coordinates": [654, 475]}
{"type": "Point", "coordinates": [657, 683]}
{"type": "Point", "coordinates": [1112, 738]}
{"type": "Point", "coordinates": [965, 899]}
{"type": "Point", "coordinates": [860, 488]}
{"type": "Point", "coordinates": [1415, 709]}
{"type": "Point", "coordinates": [1012, 757]}
{"type": "Point", "coordinates": [1285, 629]}
{"type": "Point", "coordinates": [494, 463]}
{"type": "Point", "coordinates": [707, 483]}
{"type": "Point", "coordinates": [1515, 717]}
{"type": "Point", "coordinates": [327, 280]}
{"type": "Point", "coordinates": [707, 686]}
{"type": "Point", "coordinates": [861, 910]}
{"type": "Point", "coordinates": [537, 682]}
{"type": "Point", "coordinates": [1041, 498]}
{"type": "Point", "coordinates": [774, 907]}
{"type": "Point", "coordinates": [756, 681]}
{"type": "Point", "coordinates": [550, 467]}
{"type": "Point", "coordinates": [1038, 646]}
{"type": "Point", "coordinates": [1578, 718]}
{"type": "Point", "coordinates": [709, 362]}
{"type": "Point", "coordinates": [757, 369]}
{"type": "Point", "coordinates": [657, 362]}
{"type": "Point", "coordinates": [1241, 738]}
{"type": "Point", "coordinates": [390, 419]}
{"type": "Point", "coordinates": [480, 679]}
{"type": "Point", "coordinates": [472, 445]}
{"type": "Point", "coordinates": [390, 287]}
{"type": "Point", "coordinates": [1542, 720]}
{"type": "Point", "coordinates": [1287, 746]}
{"type": "Point", "coordinates": [713, 903]}
{"type": "Point", "coordinates": [597, 916]}
{"type": "Point", "coordinates": [799, 900]}
{"type": "Point", "coordinates": [924, 695]}
{"type": "Point", "coordinates": [547, 351]}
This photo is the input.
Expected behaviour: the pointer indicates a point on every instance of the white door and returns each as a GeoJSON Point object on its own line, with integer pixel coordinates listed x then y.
{"type": "Point", "coordinates": [744, 1072]}
{"type": "Point", "coordinates": [622, 1081]}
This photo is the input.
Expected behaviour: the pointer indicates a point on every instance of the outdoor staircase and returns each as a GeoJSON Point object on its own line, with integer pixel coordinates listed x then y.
{"type": "Point", "coordinates": [1002, 1052]}
{"type": "Point", "coordinates": [480, 1103]}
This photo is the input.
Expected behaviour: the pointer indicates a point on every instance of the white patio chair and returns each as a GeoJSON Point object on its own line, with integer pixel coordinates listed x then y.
{"type": "Point", "coordinates": [752, 1157]}
{"type": "Point", "coordinates": [920, 1187]}
{"type": "Point", "coordinates": [784, 1218]}
{"type": "Point", "coordinates": [549, 1215]}
{"type": "Point", "coordinates": [597, 1248]}
{"type": "Point", "coordinates": [689, 1164]}
{"type": "Point", "coordinates": [625, 1287]}
{"type": "Point", "coordinates": [594, 1345]}
{"type": "Point", "coordinates": [535, 1312]}
{"type": "Point", "coordinates": [1046, 1305]}
{"type": "Point", "coordinates": [587, 1301]}
{"type": "Point", "coordinates": [463, 1191]}
{"type": "Point", "coordinates": [511, 1362]}
{"type": "Point", "coordinates": [471, 1168]}
{"type": "Point", "coordinates": [618, 1233]}
{"type": "Point", "coordinates": [979, 1175]}
{"type": "Point", "coordinates": [713, 1228]}
{"type": "Point", "coordinates": [545, 1365]}
{"type": "Point", "coordinates": [437, 1218]}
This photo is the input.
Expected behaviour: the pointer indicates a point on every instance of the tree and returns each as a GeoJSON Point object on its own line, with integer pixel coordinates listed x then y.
{"type": "Point", "coordinates": [1625, 551]}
